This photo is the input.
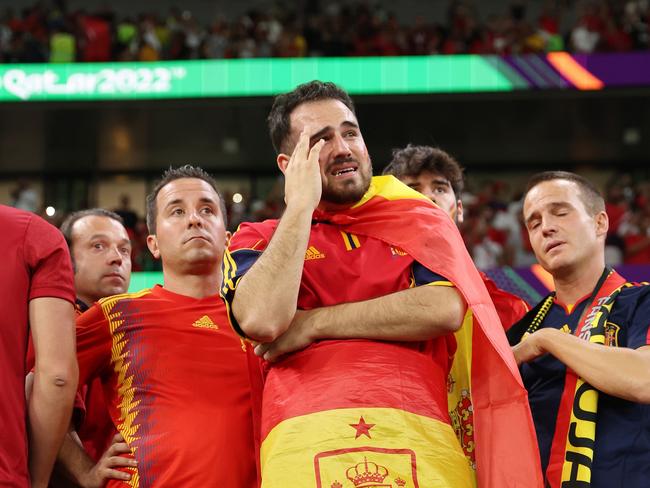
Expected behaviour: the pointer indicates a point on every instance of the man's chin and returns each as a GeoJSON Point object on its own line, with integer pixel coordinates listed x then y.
{"type": "Point", "coordinates": [347, 195]}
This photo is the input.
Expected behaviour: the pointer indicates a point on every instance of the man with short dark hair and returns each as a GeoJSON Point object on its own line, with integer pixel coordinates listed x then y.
{"type": "Point", "coordinates": [584, 350]}
{"type": "Point", "coordinates": [438, 176]}
{"type": "Point", "coordinates": [359, 315]}
{"type": "Point", "coordinates": [176, 377]}
{"type": "Point", "coordinates": [37, 295]}
{"type": "Point", "coordinates": [101, 258]}
{"type": "Point", "coordinates": [434, 173]}
{"type": "Point", "coordinates": [101, 254]}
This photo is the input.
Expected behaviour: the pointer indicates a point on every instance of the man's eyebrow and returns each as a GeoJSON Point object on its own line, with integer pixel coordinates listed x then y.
{"type": "Point", "coordinates": [552, 206]}
{"type": "Point", "coordinates": [321, 132]}
{"type": "Point", "coordinates": [441, 181]}
{"type": "Point", "coordinates": [106, 236]}
{"type": "Point", "coordinates": [207, 200]}
{"type": "Point", "coordinates": [328, 128]}
{"type": "Point", "coordinates": [175, 201]}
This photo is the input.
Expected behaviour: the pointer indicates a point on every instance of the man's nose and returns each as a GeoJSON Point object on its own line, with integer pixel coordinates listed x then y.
{"type": "Point", "coordinates": [340, 147]}
{"type": "Point", "coordinates": [115, 256]}
{"type": "Point", "coordinates": [194, 218]}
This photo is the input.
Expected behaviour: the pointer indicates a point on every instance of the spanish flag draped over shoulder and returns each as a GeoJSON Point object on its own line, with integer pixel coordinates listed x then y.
{"type": "Point", "coordinates": [504, 443]}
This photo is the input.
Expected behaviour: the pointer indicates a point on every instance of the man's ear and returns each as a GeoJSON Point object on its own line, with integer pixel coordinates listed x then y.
{"type": "Point", "coordinates": [152, 244]}
{"type": "Point", "coordinates": [602, 223]}
{"type": "Point", "coordinates": [459, 212]}
{"type": "Point", "coordinates": [283, 161]}
{"type": "Point", "coordinates": [228, 236]}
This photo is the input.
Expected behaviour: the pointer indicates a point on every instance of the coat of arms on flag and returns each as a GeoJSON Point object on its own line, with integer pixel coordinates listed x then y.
{"type": "Point", "coordinates": [366, 467]}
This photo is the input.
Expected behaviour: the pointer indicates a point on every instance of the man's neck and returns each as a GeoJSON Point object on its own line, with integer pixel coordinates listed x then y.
{"type": "Point", "coordinates": [193, 285]}
{"type": "Point", "coordinates": [86, 299]}
{"type": "Point", "coordinates": [329, 207]}
{"type": "Point", "coordinates": [578, 283]}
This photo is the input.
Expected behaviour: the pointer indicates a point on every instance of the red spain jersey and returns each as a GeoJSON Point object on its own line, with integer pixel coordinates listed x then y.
{"type": "Point", "coordinates": [94, 424]}
{"type": "Point", "coordinates": [353, 405]}
{"type": "Point", "coordinates": [177, 386]}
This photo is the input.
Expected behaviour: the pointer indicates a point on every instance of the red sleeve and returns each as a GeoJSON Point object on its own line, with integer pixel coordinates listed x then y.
{"type": "Point", "coordinates": [94, 343]}
{"type": "Point", "coordinates": [253, 237]}
{"type": "Point", "coordinates": [245, 246]}
{"type": "Point", "coordinates": [49, 259]}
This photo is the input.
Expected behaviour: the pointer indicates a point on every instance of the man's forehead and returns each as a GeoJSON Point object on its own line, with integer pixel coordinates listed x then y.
{"type": "Point", "coordinates": [318, 114]}
{"type": "Point", "coordinates": [552, 194]}
{"type": "Point", "coordinates": [429, 175]}
{"type": "Point", "coordinates": [553, 190]}
{"type": "Point", "coordinates": [186, 189]}
{"type": "Point", "coordinates": [90, 225]}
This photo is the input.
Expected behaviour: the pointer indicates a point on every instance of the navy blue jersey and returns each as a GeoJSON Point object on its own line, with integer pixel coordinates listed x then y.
{"type": "Point", "coordinates": [622, 452]}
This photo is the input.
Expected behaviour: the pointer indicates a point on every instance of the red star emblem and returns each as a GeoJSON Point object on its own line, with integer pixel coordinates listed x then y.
{"type": "Point", "coordinates": [362, 428]}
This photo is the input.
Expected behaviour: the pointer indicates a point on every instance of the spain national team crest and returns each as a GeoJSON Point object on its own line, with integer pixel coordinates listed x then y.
{"type": "Point", "coordinates": [366, 467]}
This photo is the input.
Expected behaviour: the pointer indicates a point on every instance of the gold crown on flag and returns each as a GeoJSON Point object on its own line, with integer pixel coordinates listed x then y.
{"type": "Point", "coordinates": [366, 474]}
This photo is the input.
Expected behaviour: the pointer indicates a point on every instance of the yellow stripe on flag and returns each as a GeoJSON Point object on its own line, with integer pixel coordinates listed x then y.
{"type": "Point", "coordinates": [459, 390]}
{"type": "Point", "coordinates": [391, 447]}
{"type": "Point", "coordinates": [389, 188]}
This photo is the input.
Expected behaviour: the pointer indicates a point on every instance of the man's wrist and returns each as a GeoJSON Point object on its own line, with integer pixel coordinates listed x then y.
{"type": "Point", "coordinates": [545, 338]}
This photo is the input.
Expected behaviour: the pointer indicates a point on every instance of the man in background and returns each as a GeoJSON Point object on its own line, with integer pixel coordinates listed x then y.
{"type": "Point", "coordinates": [101, 257]}
{"type": "Point", "coordinates": [37, 295]}
{"type": "Point", "coordinates": [439, 177]}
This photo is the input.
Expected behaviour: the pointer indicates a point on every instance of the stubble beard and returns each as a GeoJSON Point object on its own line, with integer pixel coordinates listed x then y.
{"type": "Point", "coordinates": [350, 191]}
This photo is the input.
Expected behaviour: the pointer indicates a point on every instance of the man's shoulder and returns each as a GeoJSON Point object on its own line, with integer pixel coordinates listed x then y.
{"type": "Point", "coordinates": [111, 301]}
{"type": "Point", "coordinates": [262, 227]}
{"type": "Point", "coordinates": [633, 295]}
{"type": "Point", "coordinates": [252, 235]}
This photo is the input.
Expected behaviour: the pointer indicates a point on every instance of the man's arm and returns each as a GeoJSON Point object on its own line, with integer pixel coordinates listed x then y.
{"type": "Point", "coordinates": [79, 467]}
{"type": "Point", "coordinates": [618, 371]}
{"type": "Point", "coordinates": [414, 314]}
{"type": "Point", "coordinates": [55, 383]}
{"type": "Point", "coordinates": [263, 308]}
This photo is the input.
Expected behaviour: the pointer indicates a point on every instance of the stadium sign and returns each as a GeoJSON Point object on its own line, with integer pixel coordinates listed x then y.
{"type": "Point", "coordinates": [359, 76]}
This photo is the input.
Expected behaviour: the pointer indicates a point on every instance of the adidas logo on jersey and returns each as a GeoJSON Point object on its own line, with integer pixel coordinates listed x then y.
{"type": "Point", "coordinates": [313, 253]}
{"type": "Point", "coordinates": [205, 322]}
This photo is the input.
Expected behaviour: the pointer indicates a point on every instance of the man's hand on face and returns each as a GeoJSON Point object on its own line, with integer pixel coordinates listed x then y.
{"type": "Point", "coordinates": [531, 347]}
{"type": "Point", "coordinates": [297, 337]}
{"type": "Point", "coordinates": [303, 185]}
{"type": "Point", "coordinates": [105, 468]}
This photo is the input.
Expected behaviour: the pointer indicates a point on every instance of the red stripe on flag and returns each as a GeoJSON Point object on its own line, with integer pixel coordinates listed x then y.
{"type": "Point", "coordinates": [355, 373]}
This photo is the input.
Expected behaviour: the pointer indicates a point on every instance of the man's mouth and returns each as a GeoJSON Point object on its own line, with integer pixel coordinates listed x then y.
{"type": "Point", "coordinates": [552, 245]}
{"type": "Point", "coordinates": [192, 238]}
{"type": "Point", "coordinates": [344, 170]}
{"type": "Point", "coordinates": [114, 275]}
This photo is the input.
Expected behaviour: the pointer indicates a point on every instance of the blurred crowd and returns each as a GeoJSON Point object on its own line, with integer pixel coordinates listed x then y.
{"type": "Point", "coordinates": [50, 32]}
{"type": "Point", "coordinates": [492, 227]}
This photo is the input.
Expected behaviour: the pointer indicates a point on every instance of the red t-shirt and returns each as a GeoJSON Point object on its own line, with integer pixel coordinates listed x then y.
{"type": "Point", "coordinates": [341, 267]}
{"type": "Point", "coordinates": [36, 264]}
{"type": "Point", "coordinates": [177, 386]}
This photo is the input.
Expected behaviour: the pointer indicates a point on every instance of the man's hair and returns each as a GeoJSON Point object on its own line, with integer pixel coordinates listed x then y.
{"type": "Point", "coordinates": [279, 118]}
{"type": "Point", "coordinates": [171, 174]}
{"type": "Point", "coordinates": [68, 223]}
{"type": "Point", "coordinates": [591, 198]}
{"type": "Point", "coordinates": [413, 160]}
